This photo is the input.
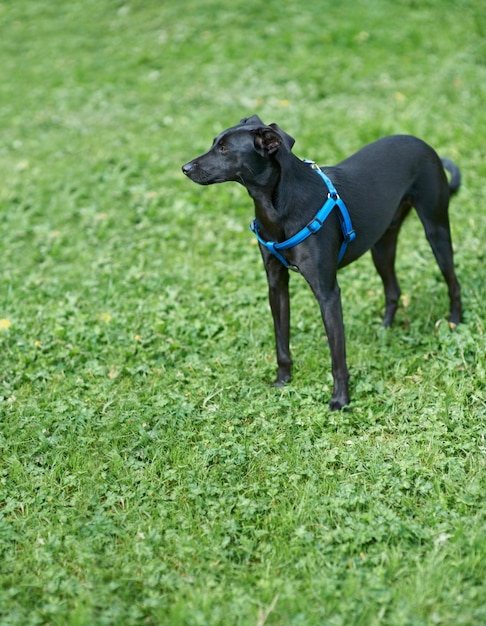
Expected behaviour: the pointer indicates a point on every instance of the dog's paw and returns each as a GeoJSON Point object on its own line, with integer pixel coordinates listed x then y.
{"type": "Point", "coordinates": [281, 382]}
{"type": "Point", "coordinates": [339, 404]}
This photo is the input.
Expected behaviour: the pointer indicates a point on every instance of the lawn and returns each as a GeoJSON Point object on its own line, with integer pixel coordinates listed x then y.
{"type": "Point", "coordinates": [148, 472]}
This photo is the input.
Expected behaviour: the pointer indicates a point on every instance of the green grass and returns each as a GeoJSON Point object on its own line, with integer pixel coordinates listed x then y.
{"type": "Point", "coordinates": [148, 473]}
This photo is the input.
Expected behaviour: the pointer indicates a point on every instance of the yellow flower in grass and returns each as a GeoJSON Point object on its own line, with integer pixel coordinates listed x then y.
{"type": "Point", "coordinates": [105, 317]}
{"type": "Point", "coordinates": [5, 324]}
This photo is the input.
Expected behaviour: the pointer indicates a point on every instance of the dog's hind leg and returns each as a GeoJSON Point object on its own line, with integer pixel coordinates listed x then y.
{"type": "Point", "coordinates": [438, 234]}
{"type": "Point", "coordinates": [384, 253]}
{"type": "Point", "coordinates": [432, 203]}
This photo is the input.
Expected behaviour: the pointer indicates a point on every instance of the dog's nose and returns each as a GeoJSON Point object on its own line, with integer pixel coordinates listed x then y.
{"type": "Point", "coordinates": [187, 168]}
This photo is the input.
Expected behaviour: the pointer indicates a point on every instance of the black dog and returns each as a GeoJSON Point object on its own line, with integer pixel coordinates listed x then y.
{"type": "Point", "coordinates": [377, 187]}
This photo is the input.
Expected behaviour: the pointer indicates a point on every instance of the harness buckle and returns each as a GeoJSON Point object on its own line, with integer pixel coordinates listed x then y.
{"type": "Point", "coordinates": [315, 225]}
{"type": "Point", "coordinates": [312, 164]}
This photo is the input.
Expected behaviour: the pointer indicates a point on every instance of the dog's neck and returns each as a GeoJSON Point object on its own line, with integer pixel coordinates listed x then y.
{"type": "Point", "coordinates": [277, 205]}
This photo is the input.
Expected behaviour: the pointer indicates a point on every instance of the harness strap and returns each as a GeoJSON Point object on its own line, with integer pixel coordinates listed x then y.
{"type": "Point", "coordinates": [333, 200]}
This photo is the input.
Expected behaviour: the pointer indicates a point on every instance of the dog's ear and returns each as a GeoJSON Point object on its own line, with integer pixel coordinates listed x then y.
{"type": "Point", "coordinates": [287, 139]}
{"type": "Point", "coordinates": [266, 140]}
{"type": "Point", "coordinates": [269, 140]}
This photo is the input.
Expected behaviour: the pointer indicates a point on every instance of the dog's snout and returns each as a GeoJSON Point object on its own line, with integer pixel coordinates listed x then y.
{"type": "Point", "coordinates": [187, 168]}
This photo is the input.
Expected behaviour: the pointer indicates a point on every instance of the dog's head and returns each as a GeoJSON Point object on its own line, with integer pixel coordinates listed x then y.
{"type": "Point", "coordinates": [240, 152]}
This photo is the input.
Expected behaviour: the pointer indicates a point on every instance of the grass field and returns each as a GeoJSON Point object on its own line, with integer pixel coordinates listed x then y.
{"type": "Point", "coordinates": [148, 473]}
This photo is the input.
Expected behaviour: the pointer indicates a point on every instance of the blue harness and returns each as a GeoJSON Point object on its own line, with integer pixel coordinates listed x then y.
{"type": "Point", "coordinates": [333, 200]}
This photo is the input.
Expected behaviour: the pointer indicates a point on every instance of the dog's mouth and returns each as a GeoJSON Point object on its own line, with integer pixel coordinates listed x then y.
{"type": "Point", "coordinates": [200, 176]}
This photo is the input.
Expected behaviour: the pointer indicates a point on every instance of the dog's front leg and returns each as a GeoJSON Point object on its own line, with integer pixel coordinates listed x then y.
{"type": "Point", "coordinates": [332, 316]}
{"type": "Point", "coordinates": [278, 292]}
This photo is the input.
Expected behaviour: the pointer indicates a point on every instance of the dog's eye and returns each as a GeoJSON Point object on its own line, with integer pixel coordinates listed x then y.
{"type": "Point", "coordinates": [223, 149]}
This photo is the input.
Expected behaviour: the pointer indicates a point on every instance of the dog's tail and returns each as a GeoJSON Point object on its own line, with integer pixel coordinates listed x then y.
{"type": "Point", "coordinates": [455, 175]}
